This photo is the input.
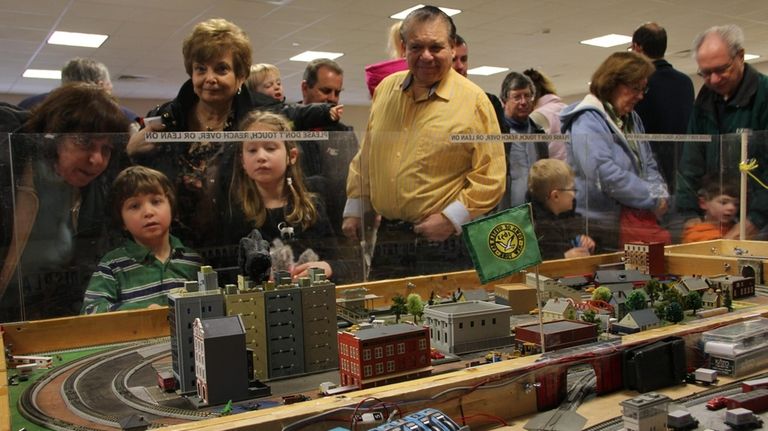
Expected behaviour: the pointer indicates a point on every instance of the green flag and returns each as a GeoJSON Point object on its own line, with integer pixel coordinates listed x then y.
{"type": "Point", "coordinates": [502, 243]}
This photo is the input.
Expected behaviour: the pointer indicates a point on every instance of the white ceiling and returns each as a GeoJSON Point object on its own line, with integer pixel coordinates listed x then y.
{"type": "Point", "coordinates": [145, 36]}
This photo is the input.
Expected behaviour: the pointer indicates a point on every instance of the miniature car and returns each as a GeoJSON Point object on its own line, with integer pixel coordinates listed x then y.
{"type": "Point", "coordinates": [716, 403]}
{"type": "Point", "coordinates": [436, 354]}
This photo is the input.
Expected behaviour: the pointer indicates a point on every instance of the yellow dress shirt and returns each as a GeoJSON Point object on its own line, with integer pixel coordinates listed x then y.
{"type": "Point", "coordinates": [407, 168]}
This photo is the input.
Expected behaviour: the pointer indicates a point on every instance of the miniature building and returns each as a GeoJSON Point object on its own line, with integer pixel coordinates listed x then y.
{"type": "Point", "coordinates": [207, 279]}
{"type": "Point", "coordinates": [221, 364]}
{"type": "Point", "coordinates": [558, 309]}
{"type": "Point", "coordinates": [461, 327]}
{"type": "Point", "coordinates": [692, 284]}
{"type": "Point", "coordinates": [290, 328]}
{"type": "Point", "coordinates": [645, 257]}
{"type": "Point", "coordinates": [318, 304]}
{"type": "Point", "coordinates": [558, 334]}
{"type": "Point", "coordinates": [636, 321]}
{"type": "Point", "coordinates": [711, 299]}
{"type": "Point", "coordinates": [382, 355]}
{"type": "Point", "coordinates": [739, 286]}
{"type": "Point", "coordinates": [619, 294]}
{"type": "Point", "coordinates": [647, 412]}
{"type": "Point", "coordinates": [613, 276]}
{"type": "Point", "coordinates": [517, 296]}
{"type": "Point", "coordinates": [133, 423]}
{"type": "Point", "coordinates": [183, 309]}
{"type": "Point", "coordinates": [552, 288]}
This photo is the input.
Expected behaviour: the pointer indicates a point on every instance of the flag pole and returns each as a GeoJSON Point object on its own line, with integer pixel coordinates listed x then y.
{"type": "Point", "coordinates": [538, 298]}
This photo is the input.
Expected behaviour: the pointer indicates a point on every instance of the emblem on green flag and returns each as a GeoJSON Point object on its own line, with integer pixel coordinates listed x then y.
{"type": "Point", "coordinates": [502, 243]}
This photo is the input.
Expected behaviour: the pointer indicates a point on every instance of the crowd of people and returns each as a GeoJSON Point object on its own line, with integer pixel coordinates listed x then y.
{"type": "Point", "coordinates": [103, 219]}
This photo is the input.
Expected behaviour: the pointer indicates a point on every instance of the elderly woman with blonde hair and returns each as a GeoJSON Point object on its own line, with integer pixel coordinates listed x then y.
{"type": "Point", "coordinates": [217, 58]}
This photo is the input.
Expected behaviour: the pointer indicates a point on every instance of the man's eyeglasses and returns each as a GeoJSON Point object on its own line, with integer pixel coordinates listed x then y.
{"type": "Point", "coordinates": [517, 98]}
{"type": "Point", "coordinates": [720, 70]}
{"type": "Point", "coordinates": [567, 190]}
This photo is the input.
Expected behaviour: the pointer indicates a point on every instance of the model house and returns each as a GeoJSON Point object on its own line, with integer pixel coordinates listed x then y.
{"type": "Point", "coordinates": [221, 364]}
{"type": "Point", "coordinates": [558, 309]}
{"type": "Point", "coordinates": [461, 327]}
{"type": "Point", "coordinates": [382, 355]}
{"type": "Point", "coordinates": [637, 320]}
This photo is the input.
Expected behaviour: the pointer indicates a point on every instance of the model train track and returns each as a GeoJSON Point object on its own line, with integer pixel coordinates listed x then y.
{"type": "Point", "coordinates": [130, 361]}
{"type": "Point", "coordinates": [121, 390]}
{"type": "Point", "coordinates": [617, 422]}
{"type": "Point", "coordinates": [29, 409]}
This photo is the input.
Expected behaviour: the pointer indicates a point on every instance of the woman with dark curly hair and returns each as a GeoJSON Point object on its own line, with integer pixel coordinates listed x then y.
{"type": "Point", "coordinates": [63, 161]}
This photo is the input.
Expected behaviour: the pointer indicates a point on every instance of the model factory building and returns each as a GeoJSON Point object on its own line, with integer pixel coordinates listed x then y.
{"type": "Point", "coordinates": [461, 327]}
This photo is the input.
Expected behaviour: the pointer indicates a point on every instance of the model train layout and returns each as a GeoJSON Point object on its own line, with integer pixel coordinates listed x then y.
{"type": "Point", "coordinates": [578, 365]}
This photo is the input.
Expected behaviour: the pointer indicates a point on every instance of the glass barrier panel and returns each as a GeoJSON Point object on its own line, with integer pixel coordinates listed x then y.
{"type": "Point", "coordinates": [64, 217]}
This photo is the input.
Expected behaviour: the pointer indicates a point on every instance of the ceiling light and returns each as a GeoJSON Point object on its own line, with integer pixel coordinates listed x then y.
{"type": "Point", "coordinates": [486, 70]}
{"type": "Point", "coordinates": [748, 57]}
{"type": "Point", "coordinates": [42, 74]}
{"type": "Point", "coordinates": [88, 40]}
{"type": "Point", "coordinates": [608, 40]}
{"type": "Point", "coordinates": [314, 55]}
{"type": "Point", "coordinates": [402, 14]}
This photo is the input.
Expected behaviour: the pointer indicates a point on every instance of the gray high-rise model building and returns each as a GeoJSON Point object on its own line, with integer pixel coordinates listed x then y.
{"type": "Point", "coordinates": [183, 309]}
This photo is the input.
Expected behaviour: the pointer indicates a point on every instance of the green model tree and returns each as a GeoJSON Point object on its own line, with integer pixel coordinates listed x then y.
{"type": "Point", "coordinates": [415, 306]}
{"type": "Point", "coordinates": [602, 294]}
{"type": "Point", "coordinates": [661, 311]}
{"type": "Point", "coordinates": [637, 300]}
{"type": "Point", "coordinates": [398, 307]}
{"type": "Point", "coordinates": [693, 301]}
{"type": "Point", "coordinates": [653, 290]}
{"type": "Point", "coordinates": [671, 294]}
{"type": "Point", "coordinates": [674, 312]}
{"type": "Point", "coordinates": [589, 316]}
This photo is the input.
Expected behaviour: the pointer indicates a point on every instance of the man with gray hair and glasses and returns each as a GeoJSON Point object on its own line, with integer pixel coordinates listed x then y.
{"type": "Point", "coordinates": [734, 97]}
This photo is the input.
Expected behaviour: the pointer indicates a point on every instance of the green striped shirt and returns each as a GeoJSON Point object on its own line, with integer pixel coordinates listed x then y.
{"type": "Point", "coordinates": [130, 277]}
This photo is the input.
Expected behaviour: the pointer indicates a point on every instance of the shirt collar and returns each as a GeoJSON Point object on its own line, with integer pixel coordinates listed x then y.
{"type": "Point", "coordinates": [438, 88]}
{"type": "Point", "coordinates": [139, 253]}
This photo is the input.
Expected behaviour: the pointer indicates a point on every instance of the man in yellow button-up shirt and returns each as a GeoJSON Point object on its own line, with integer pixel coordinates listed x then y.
{"type": "Point", "coordinates": [407, 170]}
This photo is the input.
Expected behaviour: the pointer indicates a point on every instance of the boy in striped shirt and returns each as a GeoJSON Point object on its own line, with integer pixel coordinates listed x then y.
{"type": "Point", "coordinates": [140, 273]}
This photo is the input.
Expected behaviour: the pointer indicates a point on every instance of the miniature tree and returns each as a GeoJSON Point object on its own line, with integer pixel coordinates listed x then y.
{"type": "Point", "coordinates": [415, 306]}
{"type": "Point", "coordinates": [693, 301]}
{"type": "Point", "coordinates": [570, 314]}
{"type": "Point", "coordinates": [590, 316]}
{"type": "Point", "coordinates": [671, 294]}
{"type": "Point", "coordinates": [674, 312]}
{"type": "Point", "coordinates": [602, 294]}
{"type": "Point", "coordinates": [637, 300]}
{"type": "Point", "coordinates": [653, 289]}
{"type": "Point", "coordinates": [661, 311]}
{"type": "Point", "coordinates": [398, 307]}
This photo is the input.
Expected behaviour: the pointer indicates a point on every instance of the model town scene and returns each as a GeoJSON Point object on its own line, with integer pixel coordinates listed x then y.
{"type": "Point", "coordinates": [241, 347]}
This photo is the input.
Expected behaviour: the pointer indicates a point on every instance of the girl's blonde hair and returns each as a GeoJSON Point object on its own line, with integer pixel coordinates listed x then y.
{"type": "Point", "coordinates": [303, 211]}
{"type": "Point", "coordinates": [395, 41]}
{"type": "Point", "coordinates": [259, 73]}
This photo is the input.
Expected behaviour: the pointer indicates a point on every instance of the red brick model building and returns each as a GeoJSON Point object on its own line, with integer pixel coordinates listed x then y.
{"type": "Point", "coordinates": [646, 257]}
{"type": "Point", "coordinates": [382, 355]}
